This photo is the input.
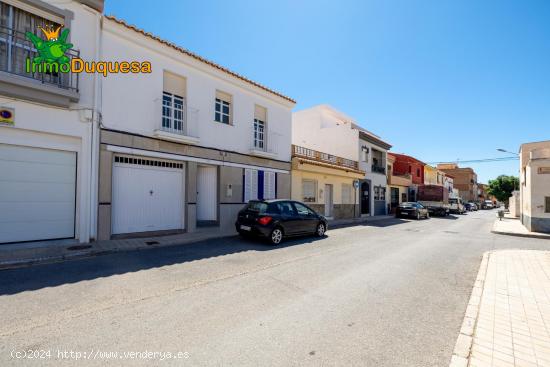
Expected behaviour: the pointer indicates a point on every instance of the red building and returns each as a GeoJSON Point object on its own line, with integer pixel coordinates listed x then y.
{"type": "Point", "coordinates": [405, 164]}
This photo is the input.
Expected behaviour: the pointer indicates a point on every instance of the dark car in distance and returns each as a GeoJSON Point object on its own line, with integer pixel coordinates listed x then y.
{"type": "Point", "coordinates": [411, 210]}
{"type": "Point", "coordinates": [276, 219]}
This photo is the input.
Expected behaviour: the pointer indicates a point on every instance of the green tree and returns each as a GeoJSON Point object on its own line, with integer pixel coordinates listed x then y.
{"type": "Point", "coordinates": [502, 187]}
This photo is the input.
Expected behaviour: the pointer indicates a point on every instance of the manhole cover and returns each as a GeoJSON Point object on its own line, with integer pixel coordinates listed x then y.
{"type": "Point", "coordinates": [150, 243]}
{"type": "Point", "coordinates": [79, 247]}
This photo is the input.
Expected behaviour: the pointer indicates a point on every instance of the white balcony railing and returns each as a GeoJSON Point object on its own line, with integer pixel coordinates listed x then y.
{"type": "Point", "coordinates": [176, 121]}
{"type": "Point", "coordinates": [263, 142]}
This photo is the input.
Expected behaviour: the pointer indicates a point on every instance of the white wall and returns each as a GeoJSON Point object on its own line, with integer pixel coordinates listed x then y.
{"type": "Point", "coordinates": [43, 126]}
{"type": "Point", "coordinates": [132, 102]}
{"type": "Point", "coordinates": [324, 129]}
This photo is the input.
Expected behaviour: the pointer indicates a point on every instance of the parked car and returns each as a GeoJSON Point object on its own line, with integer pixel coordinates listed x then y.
{"type": "Point", "coordinates": [488, 204]}
{"type": "Point", "coordinates": [456, 206]}
{"type": "Point", "coordinates": [277, 219]}
{"type": "Point", "coordinates": [470, 207]}
{"type": "Point", "coordinates": [411, 210]}
{"type": "Point", "coordinates": [474, 207]}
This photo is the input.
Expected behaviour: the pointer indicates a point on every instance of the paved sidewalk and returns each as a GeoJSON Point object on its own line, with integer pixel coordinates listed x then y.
{"type": "Point", "coordinates": [510, 325]}
{"type": "Point", "coordinates": [513, 227]}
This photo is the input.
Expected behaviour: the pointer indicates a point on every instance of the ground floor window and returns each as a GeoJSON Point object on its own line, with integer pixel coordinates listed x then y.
{"type": "Point", "coordinates": [309, 190]}
{"type": "Point", "coordinates": [379, 193]}
{"type": "Point", "coordinates": [259, 185]}
{"type": "Point", "coordinates": [547, 206]}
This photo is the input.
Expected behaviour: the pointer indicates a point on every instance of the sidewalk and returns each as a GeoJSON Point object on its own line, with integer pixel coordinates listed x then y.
{"type": "Point", "coordinates": [26, 254]}
{"type": "Point", "coordinates": [513, 227]}
{"type": "Point", "coordinates": [507, 321]}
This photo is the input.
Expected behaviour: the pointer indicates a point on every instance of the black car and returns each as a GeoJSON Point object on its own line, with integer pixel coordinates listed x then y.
{"type": "Point", "coordinates": [412, 210]}
{"type": "Point", "coordinates": [276, 219]}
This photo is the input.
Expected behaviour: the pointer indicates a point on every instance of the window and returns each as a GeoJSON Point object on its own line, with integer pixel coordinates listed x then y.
{"type": "Point", "coordinates": [259, 185]}
{"type": "Point", "coordinates": [222, 108]}
{"type": "Point", "coordinates": [15, 48]}
{"type": "Point", "coordinates": [172, 112]}
{"type": "Point", "coordinates": [309, 189]}
{"type": "Point", "coordinates": [376, 193]}
{"type": "Point", "coordinates": [418, 172]}
{"type": "Point", "coordinates": [346, 194]}
{"type": "Point", "coordinates": [410, 169]}
{"type": "Point", "coordinates": [260, 114]}
{"type": "Point", "coordinates": [302, 209]}
{"type": "Point", "coordinates": [285, 208]}
{"type": "Point", "coordinates": [403, 197]}
{"type": "Point", "coordinates": [547, 204]}
{"type": "Point", "coordinates": [382, 193]}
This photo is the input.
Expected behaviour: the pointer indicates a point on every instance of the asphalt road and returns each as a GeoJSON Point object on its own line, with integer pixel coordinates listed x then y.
{"type": "Point", "coordinates": [392, 293]}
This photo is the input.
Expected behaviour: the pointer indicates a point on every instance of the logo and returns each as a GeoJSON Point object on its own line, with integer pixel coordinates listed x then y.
{"type": "Point", "coordinates": [52, 57]}
{"type": "Point", "coordinates": [6, 116]}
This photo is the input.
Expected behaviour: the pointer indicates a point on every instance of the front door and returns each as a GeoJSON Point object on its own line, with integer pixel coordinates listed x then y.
{"type": "Point", "coordinates": [206, 193]}
{"type": "Point", "coordinates": [365, 198]}
{"type": "Point", "coordinates": [328, 200]}
{"type": "Point", "coordinates": [394, 199]}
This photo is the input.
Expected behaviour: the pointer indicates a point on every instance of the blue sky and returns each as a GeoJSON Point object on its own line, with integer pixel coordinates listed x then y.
{"type": "Point", "coordinates": [440, 80]}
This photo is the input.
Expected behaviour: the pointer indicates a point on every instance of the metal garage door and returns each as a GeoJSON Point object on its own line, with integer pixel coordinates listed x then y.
{"type": "Point", "coordinates": [147, 195]}
{"type": "Point", "coordinates": [206, 193]}
{"type": "Point", "coordinates": [37, 193]}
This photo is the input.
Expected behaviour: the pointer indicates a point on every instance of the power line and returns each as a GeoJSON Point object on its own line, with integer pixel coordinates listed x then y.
{"type": "Point", "coordinates": [485, 160]}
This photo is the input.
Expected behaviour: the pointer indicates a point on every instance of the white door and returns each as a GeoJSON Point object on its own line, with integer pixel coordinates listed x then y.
{"type": "Point", "coordinates": [37, 193]}
{"type": "Point", "coordinates": [328, 200]}
{"type": "Point", "coordinates": [206, 193]}
{"type": "Point", "coordinates": [147, 195]}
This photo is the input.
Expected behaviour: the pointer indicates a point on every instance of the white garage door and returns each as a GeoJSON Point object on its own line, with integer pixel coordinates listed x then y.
{"type": "Point", "coordinates": [37, 193]}
{"type": "Point", "coordinates": [206, 193]}
{"type": "Point", "coordinates": [147, 195]}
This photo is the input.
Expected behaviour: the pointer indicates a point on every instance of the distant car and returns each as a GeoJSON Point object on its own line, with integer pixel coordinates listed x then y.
{"type": "Point", "coordinates": [474, 206]}
{"type": "Point", "coordinates": [488, 204]}
{"type": "Point", "coordinates": [277, 219]}
{"type": "Point", "coordinates": [469, 207]}
{"type": "Point", "coordinates": [456, 206]}
{"type": "Point", "coordinates": [412, 210]}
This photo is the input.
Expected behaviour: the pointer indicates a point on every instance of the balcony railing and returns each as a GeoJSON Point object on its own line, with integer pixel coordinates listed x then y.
{"type": "Point", "coordinates": [298, 151]}
{"type": "Point", "coordinates": [378, 169]}
{"type": "Point", "coordinates": [16, 49]}
{"type": "Point", "coordinates": [263, 141]}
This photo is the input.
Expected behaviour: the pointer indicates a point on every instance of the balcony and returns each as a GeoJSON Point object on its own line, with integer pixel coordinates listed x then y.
{"type": "Point", "coordinates": [51, 86]}
{"type": "Point", "coordinates": [378, 169]}
{"type": "Point", "coordinates": [314, 155]}
{"type": "Point", "coordinates": [263, 143]}
{"type": "Point", "coordinates": [400, 179]}
{"type": "Point", "coordinates": [179, 124]}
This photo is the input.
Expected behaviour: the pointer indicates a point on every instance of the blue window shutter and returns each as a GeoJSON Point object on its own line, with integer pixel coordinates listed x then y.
{"type": "Point", "coordinates": [260, 185]}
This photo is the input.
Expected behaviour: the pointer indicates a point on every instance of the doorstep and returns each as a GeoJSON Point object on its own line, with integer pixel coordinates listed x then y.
{"type": "Point", "coordinates": [40, 252]}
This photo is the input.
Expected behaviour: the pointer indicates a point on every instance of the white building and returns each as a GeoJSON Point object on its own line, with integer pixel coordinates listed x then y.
{"type": "Point", "coordinates": [186, 145]}
{"type": "Point", "coordinates": [373, 160]}
{"type": "Point", "coordinates": [46, 171]}
{"type": "Point", "coordinates": [535, 186]}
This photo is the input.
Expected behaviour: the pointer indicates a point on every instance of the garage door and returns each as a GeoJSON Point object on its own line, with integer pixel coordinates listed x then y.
{"type": "Point", "coordinates": [37, 193]}
{"type": "Point", "coordinates": [147, 195]}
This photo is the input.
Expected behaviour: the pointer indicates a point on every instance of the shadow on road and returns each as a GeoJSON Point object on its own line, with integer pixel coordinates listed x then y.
{"type": "Point", "coordinates": [51, 275]}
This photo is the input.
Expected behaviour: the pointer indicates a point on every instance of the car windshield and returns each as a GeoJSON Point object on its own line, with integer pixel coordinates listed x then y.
{"type": "Point", "coordinates": [257, 206]}
{"type": "Point", "coordinates": [407, 205]}
{"type": "Point", "coordinates": [452, 201]}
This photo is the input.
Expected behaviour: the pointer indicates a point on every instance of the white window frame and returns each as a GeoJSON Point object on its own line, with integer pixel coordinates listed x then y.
{"type": "Point", "coordinates": [173, 113]}
{"type": "Point", "coordinates": [260, 134]}
{"type": "Point", "coordinates": [219, 114]}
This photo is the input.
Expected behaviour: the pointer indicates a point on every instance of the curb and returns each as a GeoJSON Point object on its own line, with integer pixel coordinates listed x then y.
{"type": "Point", "coordinates": [23, 263]}
{"type": "Point", "coordinates": [463, 346]}
{"type": "Point", "coordinates": [543, 237]}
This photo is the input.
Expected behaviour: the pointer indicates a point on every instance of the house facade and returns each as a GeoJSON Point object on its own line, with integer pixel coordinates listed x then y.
{"type": "Point", "coordinates": [325, 167]}
{"type": "Point", "coordinates": [398, 184]}
{"type": "Point", "coordinates": [373, 160]}
{"type": "Point", "coordinates": [405, 164]}
{"type": "Point", "coordinates": [185, 146]}
{"type": "Point", "coordinates": [47, 125]}
{"type": "Point", "coordinates": [535, 186]}
{"type": "Point", "coordinates": [465, 180]}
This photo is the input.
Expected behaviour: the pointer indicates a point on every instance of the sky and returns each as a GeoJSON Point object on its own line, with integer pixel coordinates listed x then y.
{"type": "Point", "coordinates": [439, 80]}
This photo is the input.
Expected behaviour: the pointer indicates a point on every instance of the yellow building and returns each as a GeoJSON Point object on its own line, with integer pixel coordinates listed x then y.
{"type": "Point", "coordinates": [326, 182]}
{"type": "Point", "coordinates": [433, 176]}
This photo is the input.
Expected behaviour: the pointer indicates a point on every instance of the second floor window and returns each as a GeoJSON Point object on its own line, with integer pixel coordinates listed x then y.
{"type": "Point", "coordinates": [222, 108]}
{"type": "Point", "coordinates": [259, 134]}
{"type": "Point", "coordinates": [172, 112]}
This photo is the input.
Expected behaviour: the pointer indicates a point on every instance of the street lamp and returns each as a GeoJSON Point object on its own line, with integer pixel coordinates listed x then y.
{"type": "Point", "coordinates": [505, 151]}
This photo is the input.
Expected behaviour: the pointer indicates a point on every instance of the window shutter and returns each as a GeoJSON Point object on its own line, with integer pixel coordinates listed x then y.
{"type": "Point", "coordinates": [269, 185]}
{"type": "Point", "coordinates": [260, 113]}
{"type": "Point", "coordinates": [250, 185]}
{"type": "Point", "coordinates": [174, 84]}
{"type": "Point", "coordinates": [223, 96]}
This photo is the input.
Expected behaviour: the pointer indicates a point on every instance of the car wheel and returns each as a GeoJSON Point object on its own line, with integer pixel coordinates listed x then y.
{"type": "Point", "coordinates": [276, 236]}
{"type": "Point", "coordinates": [418, 215]}
{"type": "Point", "coordinates": [320, 231]}
{"type": "Point", "coordinates": [427, 215]}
